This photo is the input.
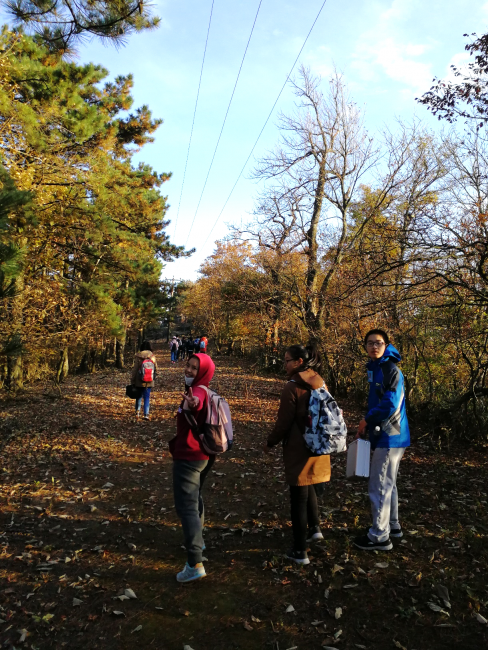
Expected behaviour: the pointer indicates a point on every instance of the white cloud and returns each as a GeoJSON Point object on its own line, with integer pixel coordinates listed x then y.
{"type": "Point", "coordinates": [460, 61]}
{"type": "Point", "coordinates": [384, 51]}
{"type": "Point", "coordinates": [320, 61]}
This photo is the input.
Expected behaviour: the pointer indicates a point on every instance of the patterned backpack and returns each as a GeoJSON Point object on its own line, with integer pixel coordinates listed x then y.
{"type": "Point", "coordinates": [326, 430]}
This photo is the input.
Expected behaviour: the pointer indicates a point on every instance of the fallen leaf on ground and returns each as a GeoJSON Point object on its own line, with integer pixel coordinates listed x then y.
{"type": "Point", "coordinates": [443, 594]}
{"type": "Point", "coordinates": [399, 645]}
{"type": "Point", "coordinates": [436, 608]}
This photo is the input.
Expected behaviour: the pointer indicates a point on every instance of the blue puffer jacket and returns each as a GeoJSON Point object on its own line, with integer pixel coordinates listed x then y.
{"type": "Point", "coordinates": [386, 402]}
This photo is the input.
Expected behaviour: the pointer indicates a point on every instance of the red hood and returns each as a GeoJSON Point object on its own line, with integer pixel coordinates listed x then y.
{"type": "Point", "coordinates": [205, 372]}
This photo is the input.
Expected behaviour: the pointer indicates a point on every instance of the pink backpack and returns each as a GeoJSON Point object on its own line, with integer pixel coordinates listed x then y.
{"type": "Point", "coordinates": [146, 371]}
{"type": "Point", "coordinates": [216, 434]}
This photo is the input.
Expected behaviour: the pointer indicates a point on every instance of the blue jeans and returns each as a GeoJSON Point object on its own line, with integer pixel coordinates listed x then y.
{"type": "Point", "coordinates": [146, 394]}
{"type": "Point", "coordinates": [174, 355]}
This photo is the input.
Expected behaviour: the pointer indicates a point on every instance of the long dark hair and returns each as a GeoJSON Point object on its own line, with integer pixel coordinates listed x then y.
{"type": "Point", "coordinates": [310, 355]}
{"type": "Point", "coordinates": [146, 345]}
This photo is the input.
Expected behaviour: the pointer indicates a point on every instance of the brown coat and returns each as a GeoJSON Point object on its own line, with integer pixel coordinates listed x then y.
{"type": "Point", "coordinates": [135, 378]}
{"type": "Point", "coordinates": [301, 468]}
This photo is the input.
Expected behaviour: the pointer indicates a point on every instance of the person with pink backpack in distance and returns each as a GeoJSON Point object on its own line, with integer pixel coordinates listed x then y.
{"type": "Point", "coordinates": [203, 426]}
{"type": "Point", "coordinates": [143, 375]}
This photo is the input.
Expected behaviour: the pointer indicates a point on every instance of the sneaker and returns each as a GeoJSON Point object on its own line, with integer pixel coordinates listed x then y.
{"type": "Point", "coordinates": [189, 574]}
{"type": "Point", "coordinates": [300, 557]}
{"type": "Point", "coordinates": [366, 544]}
{"type": "Point", "coordinates": [146, 417]}
{"type": "Point", "coordinates": [396, 532]}
{"type": "Point", "coordinates": [314, 534]}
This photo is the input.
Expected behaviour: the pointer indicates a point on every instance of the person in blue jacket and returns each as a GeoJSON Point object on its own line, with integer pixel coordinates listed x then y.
{"type": "Point", "coordinates": [389, 434]}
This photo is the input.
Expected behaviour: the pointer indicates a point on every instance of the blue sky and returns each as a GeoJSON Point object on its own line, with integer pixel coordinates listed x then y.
{"type": "Point", "coordinates": [388, 51]}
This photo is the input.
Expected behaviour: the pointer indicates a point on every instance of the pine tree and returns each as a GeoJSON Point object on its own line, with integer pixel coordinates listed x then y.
{"type": "Point", "coordinates": [95, 237]}
{"type": "Point", "coordinates": [62, 24]}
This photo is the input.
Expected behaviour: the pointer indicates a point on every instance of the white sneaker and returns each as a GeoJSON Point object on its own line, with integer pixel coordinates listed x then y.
{"type": "Point", "coordinates": [189, 574]}
{"type": "Point", "coordinates": [314, 534]}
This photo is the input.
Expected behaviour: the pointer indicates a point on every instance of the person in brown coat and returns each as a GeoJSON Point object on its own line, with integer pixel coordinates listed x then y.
{"type": "Point", "coordinates": [145, 367]}
{"type": "Point", "coordinates": [302, 469]}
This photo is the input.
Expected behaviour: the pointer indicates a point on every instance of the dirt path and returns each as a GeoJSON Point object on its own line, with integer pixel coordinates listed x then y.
{"type": "Point", "coordinates": [87, 522]}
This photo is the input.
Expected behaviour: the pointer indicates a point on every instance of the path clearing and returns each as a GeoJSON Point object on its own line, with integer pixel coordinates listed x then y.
{"type": "Point", "coordinates": [87, 522]}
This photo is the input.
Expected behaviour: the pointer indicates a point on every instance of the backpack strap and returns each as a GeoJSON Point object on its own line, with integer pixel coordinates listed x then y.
{"type": "Point", "coordinates": [190, 418]}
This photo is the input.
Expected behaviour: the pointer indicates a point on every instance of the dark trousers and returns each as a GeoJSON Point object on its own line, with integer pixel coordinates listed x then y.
{"type": "Point", "coordinates": [304, 513]}
{"type": "Point", "coordinates": [188, 479]}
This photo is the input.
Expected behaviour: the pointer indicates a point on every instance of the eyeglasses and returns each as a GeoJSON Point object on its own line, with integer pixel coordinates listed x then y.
{"type": "Point", "coordinates": [375, 344]}
{"type": "Point", "coordinates": [285, 361]}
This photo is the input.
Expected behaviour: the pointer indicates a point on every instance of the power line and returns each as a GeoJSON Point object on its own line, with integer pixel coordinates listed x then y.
{"type": "Point", "coordinates": [223, 123]}
{"type": "Point", "coordinates": [194, 115]}
{"type": "Point", "coordinates": [266, 122]}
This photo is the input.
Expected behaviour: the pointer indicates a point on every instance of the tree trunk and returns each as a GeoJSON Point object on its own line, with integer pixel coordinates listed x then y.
{"type": "Point", "coordinates": [83, 367]}
{"type": "Point", "coordinates": [15, 374]}
{"type": "Point", "coordinates": [63, 366]}
{"type": "Point", "coordinates": [140, 337]}
{"type": "Point", "coordinates": [119, 351]}
{"type": "Point", "coordinates": [92, 357]}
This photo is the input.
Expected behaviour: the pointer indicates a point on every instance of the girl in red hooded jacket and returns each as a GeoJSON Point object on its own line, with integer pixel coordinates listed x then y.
{"type": "Point", "coordinates": [191, 464]}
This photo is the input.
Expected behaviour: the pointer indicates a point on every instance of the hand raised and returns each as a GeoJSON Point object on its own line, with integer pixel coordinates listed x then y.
{"type": "Point", "coordinates": [361, 430]}
{"type": "Point", "coordinates": [191, 400]}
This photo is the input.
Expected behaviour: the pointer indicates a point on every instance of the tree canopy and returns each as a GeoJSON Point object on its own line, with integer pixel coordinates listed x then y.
{"type": "Point", "coordinates": [83, 240]}
{"type": "Point", "coordinates": [466, 95]}
{"type": "Point", "coordinates": [62, 24]}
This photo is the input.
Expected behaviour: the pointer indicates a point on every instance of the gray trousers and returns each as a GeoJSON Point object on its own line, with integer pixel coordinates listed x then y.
{"type": "Point", "coordinates": [188, 479]}
{"type": "Point", "coordinates": [383, 492]}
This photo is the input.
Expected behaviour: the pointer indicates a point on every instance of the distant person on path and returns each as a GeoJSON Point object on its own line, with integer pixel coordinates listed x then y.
{"type": "Point", "coordinates": [178, 353]}
{"type": "Point", "coordinates": [191, 464]}
{"type": "Point", "coordinates": [173, 346]}
{"type": "Point", "coordinates": [203, 344]}
{"type": "Point", "coordinates": [143, 375]}
{"type": "Point", "coordinates": [189, 347]}
{"type": "Point", "coordinates": [184, 348]}
{"type": "Point", "coordinates": [196, 345]}
{"type": "Point", "coordinates": [389, 434]}
{"type": "Point", "coordinates": [302, 469]}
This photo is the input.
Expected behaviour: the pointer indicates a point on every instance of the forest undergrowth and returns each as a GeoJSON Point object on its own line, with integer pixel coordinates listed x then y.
{"type": "Point", "coordinates": [90, 542]}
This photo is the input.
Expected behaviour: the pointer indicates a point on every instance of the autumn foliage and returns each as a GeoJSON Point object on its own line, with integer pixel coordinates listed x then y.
{"type": "Point", "coordinates": [352, 232]}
